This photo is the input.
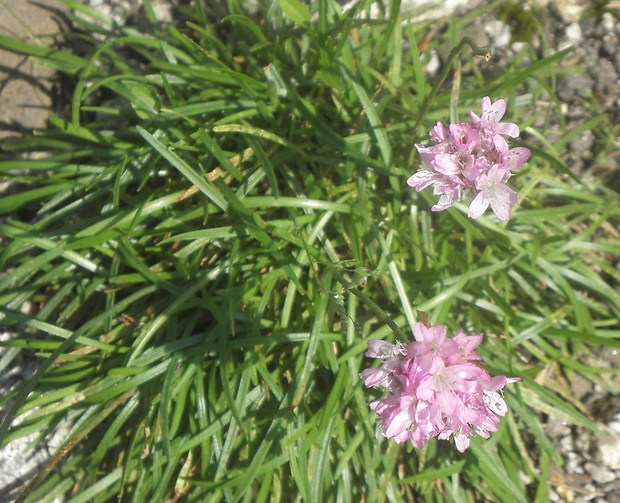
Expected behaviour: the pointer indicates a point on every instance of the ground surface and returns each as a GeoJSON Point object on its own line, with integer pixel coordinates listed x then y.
{"type": "Point", "coordinates": [26, 89]}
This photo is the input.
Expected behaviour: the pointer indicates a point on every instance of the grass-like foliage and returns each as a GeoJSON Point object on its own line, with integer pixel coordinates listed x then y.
{"type": "Point", "coordinates": [210, 235]}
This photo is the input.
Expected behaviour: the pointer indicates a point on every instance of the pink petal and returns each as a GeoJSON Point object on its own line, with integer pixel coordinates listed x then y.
{"type": "Point", "coordinates": [439, 133]}
{"type": "Point", "coordinates": [501, 208]}
{"type": "Point", "coordinates": [381, 349]}
{"type": "Point", "coordinates": [496, 403]}
{"type": "Point", "coordinates": [447, 164]}
{"type": "Point", "coordinates": [426, 390]}
{"type": "Point", "coordinates": [478, 206]}
{"type": "Point", "coordinates": [500, 204]}
{"type": "Point", "coordinates": [493, 112]}
{"type": "Point", "coordinates": [421, 179]}
{"type": "Point", "coordinates": [398, 423]}
{"type": "Point", "coordinates": [515, 158]}
{"type": "Point", "coordinates": [508, 128]}
{"type": "Point", "coordinates": [486, 104]}
{"type": "Point", "coordinates": [500, 143]}
{"type": "Point", "coordinates": [447, 402]}
{"type": "Point", "coordinates": [423, 333]}
{"type": "Point", "coordinates": [445, 201]}
{"type": "Point", "coordinates": [462, 442]}
{"type": "Point", "coordinates": [474, 119]}
{"type": "Point", "coordinates": [374, 377]}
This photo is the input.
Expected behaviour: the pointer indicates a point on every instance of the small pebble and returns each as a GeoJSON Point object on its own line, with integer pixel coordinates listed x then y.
{"type": "Point", "coordinates": [557, 428]}
{"type": "Point", "coordinates": [573, 33]}
{"type": "Point", "coordinates": [573, 462]}
{"type": "Point", "coordinates": [608, 22]}
{"type": "Point", "coordinates": [433, 66]}
{"type": "Point", "coordinates": [599, 475]}
{"type": "Point", "coordinates": [608, 450]}
{"type": "Point", "coordinates": [499, 33]}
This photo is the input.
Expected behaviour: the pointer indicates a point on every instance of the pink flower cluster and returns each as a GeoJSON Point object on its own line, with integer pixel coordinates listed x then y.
{"type": "Point", "coordinates": [472, 160]}
{"type": "Point", "coordinates": [435, 389]}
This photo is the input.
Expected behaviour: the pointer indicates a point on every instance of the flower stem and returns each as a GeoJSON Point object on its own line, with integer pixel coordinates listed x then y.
{"type": "Point", "coordinates": [484, 52]}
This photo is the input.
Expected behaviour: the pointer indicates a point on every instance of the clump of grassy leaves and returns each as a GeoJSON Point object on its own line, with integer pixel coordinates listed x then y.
{"type": "Point", "coordinates": [209, 252]}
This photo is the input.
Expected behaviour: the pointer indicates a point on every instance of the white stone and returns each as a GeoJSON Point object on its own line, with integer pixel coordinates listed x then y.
{"type": "Point", "coordinates": [573, 33]}
{"type": "Point", "coordinates": [19, 459]}
{"type": "Point", "coordinates": [608, 451]}
{"type": "Point", "coordinates": [608, 22]}
{"type": "Point", "coordinates": [433, 66]}
{"type": "Point", "coordinates": [571, 10]}
{"type": "Point", "coordinates": [499, 33]}
{"type": "Point", "coordinates": [599, 475]}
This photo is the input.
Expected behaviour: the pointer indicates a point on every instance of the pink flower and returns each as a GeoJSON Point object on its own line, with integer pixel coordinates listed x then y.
{"type": "Point", "coordinates": [431, 343]}
{"type": "Point", "coordinates": [490, 120]}
{"type": "Point", "coordinates": [493, 190]}
{"type": "Point", "coordinates": [435, 389]}
{"type": "Point", "coordinates": [465, 347]}
{"type": "Point", "coordinates": [472, 160]}
{"type": "Point", "coordinates": [392, 356]}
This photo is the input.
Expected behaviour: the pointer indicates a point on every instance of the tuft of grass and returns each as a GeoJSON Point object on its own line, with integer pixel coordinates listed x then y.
{"type": "Point", "coordinates": [220, 223]}
{"type": "Point", "coordinates": [523, 19]}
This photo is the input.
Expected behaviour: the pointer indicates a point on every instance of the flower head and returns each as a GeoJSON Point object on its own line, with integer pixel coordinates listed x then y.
{"type": "Point", "coordinates": [472, 160]}
{"type": "Point", "coordinates": [435, 389]}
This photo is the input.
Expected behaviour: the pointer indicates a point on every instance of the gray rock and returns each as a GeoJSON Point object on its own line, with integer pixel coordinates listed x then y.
{"type": "Point", "coordinates": [573, 33]}
{"type": "Point", "coordinates": [608, 22]}
{"type": "Point", "coordinates": [607, 451]}
{"type": "Point", "coordinates": [605, 80]}
{"type": "Point", "coordinates": [499, 33]}
{"type": "Point", "coordinates": [570, 11]}
{"type": "Point", "coordinates": [599, 475]}
{"type": "Point", "coordinates": [609, 45]}
{"type": "Point", "coordinates": [582, 144]}
{"type": "Point", "coordinates": [574, 86]}
{"type": "Point", "coordinates": [25, 88]}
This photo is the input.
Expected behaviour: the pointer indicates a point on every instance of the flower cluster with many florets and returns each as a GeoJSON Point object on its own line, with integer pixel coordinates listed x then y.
{"type": "Point", "coordinates": [435, 388]}
{"type": "Point", "coordinates": [472, 160]}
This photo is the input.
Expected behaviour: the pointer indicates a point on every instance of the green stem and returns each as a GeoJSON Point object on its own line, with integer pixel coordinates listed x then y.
{"type": "Point", "coordinates": [369, 303]}
{"type": "Point", "coordinates": [484, 52]}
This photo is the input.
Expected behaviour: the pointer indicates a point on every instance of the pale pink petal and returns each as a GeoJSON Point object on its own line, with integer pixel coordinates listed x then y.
{"type": "Point", "coordinates": [515, 158]}
{"type": "Point", "coordinates": [439, 133]}
{"type": "Point", "coordinates": [493, 112]}
{"type": "Point", "coordinates": [374, 377]}
{"type": "Point", "coordinates": [500, 144]}
{"type": "Point", "coordinates": [445, 201]}
{"type": "Point", "coordinates": [447, 164]}
{"type": "Point", "coordinates": [496, 403]}
{"type": "Point", "coordinates": [501, 208]}
{"type": "Point", "coordinates": [423, 333]}
{"type": "Point", "coordinates": [448, 402]}
{"type": "Point", "coordinates": [502, 201]}
{"type": "Point", "coordinates": [486, 104]}
{"type": "Point", "coordinates": [508, 128]}
{"type": "Point", "coordinates": [474, 120]}
{"type": "Point", "coordinates": [462, 442]}
{"type": "Point", "coordinates": [381, 349]}
{"type": "Point", "coordinates": [421, 179]}
{"type": "Point", "coordinates": [478, 206]}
